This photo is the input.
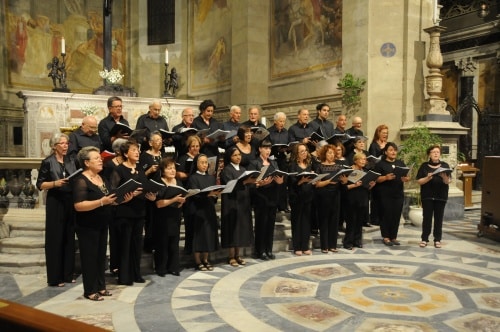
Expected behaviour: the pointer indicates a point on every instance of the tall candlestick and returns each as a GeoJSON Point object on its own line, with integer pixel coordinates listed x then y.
{"type": "Point", "coordinates": [63, 46]}
{"type": "Point", "coordinates": [166, 55]}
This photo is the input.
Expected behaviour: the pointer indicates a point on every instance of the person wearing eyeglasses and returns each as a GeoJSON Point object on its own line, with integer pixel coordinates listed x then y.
{"type": "Point", "coordinates": [115, 107]}
{"type": "Point", "coordinates": [59, 213]}
{"type": "Point", "coordinates": [84, 136]}
{"type": "Point", "coordinates": [93, 205]}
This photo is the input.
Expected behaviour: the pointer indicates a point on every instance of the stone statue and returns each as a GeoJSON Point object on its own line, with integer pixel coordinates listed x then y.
{"type": "Point", "coordinates": [54, 71]}
{"type": "Point", "coordinates": [57, 71]}
{"type": "Point", "coordinates": [173, 83]}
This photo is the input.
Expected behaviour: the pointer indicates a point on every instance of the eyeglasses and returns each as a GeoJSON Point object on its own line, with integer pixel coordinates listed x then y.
{"type": "Point", "coordinates": [117, 106]}
{"type": "Point", "coordinates": [188, 115]}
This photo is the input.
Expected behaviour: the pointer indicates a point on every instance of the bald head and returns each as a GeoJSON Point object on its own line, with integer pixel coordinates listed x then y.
{"type": "Point", "coordinates": [89, 125]}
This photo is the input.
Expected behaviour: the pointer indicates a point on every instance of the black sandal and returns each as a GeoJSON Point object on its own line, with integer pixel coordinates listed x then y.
{"type": "Point", "coordinates": [208, 266]}
{"type": "Point", "coordinates": [201, 267]}
{"type": "Point", "coordinates": [94, 297]}
{"type": "Point", "coordinates": [105, 293]}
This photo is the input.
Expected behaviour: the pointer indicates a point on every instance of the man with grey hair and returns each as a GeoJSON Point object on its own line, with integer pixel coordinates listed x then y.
{"type": "Point", "coordinates": [253, 118]}
{"type": "Point", "coordinates": [153, 121]}
{"type": "Point", "coordinates": [278, 134]}
{"type": "Point", "coordinates": [232, 124]}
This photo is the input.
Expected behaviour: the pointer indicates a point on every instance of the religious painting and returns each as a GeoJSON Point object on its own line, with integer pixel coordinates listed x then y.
{"type": "Point", "coordinates": [306, 35]}
{"type": "Point", "coordinates": [35, 33]}
{"type": "Point", "coordinates": [210, 52]}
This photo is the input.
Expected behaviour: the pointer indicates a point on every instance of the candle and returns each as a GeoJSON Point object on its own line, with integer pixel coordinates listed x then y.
{"type": "Point", "coordinates": [63, 46]}
{"type": "Point", "coordinates": [166, 55]}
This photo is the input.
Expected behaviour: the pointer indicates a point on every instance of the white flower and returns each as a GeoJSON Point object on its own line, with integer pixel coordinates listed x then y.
{"type": "Point", "coordinates": [88, 109]}
{"type": "Point", "coordinates": [113, 76]}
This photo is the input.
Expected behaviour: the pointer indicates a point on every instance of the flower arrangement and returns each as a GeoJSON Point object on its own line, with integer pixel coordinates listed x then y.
{"type": "Point", "coordinates": [112, 76]}
{"type": "Point", "coordinates": [89, 109]}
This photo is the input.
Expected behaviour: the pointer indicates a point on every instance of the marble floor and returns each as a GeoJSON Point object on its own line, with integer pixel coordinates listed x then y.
{"type": "Point", "coordinates": [376, 288]}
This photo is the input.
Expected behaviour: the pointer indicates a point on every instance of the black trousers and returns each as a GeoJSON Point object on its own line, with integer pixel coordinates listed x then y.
{"type": "Point", "coordinates": [391, 215]}
{"type": "Point", "coordinates": [265, 218]}
{"type": "Point", "coordinates": [59, 239]}
{"type": "Point", "coordinates": [432, 207]}
{"type": "Point", "coordinates": [92, 243]}
{"type": "Point", "coordinates": [328, 215]}
{"type": "Point", "coordinates": [129, 234]}
{"type": "Point", "coordinates": [301, 225]}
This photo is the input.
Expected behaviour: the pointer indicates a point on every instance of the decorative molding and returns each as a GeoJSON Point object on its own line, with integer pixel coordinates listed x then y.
{"type": "Point", "coordinates": [467, 66]}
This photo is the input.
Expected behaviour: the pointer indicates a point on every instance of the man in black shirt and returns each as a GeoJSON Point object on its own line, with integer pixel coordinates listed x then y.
{"type": "Point", "coordinates": [115, 115]}
{"type": "Point", "coordinates": [84, 136]}
{"type": "Point", "coordinates": [321, 124]}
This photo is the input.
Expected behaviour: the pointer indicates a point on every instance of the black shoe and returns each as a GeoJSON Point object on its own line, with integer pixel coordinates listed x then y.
{"type": "Point", "coordinates": [161, 275]}
{"type": "Point", "coordinates": [174, 273]}
{"type": "Point", "coordinates": [260, 256]}
{"type": "Point", "coordinates": [125, 283]}
{"type": "Point", "coordinates": [367, 225]}
{"type": "Point", "coordinates": [140, 280]}
{"type": "Point", "coordinates": [388, 243]}
{"type": "Point", "coordinates": [270, 255]}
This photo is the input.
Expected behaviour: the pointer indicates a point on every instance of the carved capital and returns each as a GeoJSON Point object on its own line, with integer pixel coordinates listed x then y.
{"type": "Point", "coordinates": [467, 66]}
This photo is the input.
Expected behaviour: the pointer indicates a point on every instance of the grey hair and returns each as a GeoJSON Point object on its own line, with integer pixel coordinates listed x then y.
{"type": "Point", "coordinates": [116, 145]}
{"type": "Point", "coordinates": [83, 154]}
{"type": "Point", "coordinates": [279, 115]}
{"type": "Point", "coordinates": [56, 138]}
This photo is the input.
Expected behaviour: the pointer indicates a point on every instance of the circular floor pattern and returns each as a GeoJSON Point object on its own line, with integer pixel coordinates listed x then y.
{"type": "Point", "coordinates": [367, 290]}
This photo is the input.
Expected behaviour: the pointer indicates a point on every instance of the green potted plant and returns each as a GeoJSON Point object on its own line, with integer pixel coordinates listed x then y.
{"type": "Point", "coordinates": [414, 152]}
{"type": "Point", "coordinates": [351, 87]}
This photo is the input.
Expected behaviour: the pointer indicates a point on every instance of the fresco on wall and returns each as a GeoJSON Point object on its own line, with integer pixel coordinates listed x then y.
{"type": "Point", "coordinates": [209, 49]}
{"type": "Point", "coordinates": [34, 33]}
{"type": "Point", "coordinates": [305, 35]}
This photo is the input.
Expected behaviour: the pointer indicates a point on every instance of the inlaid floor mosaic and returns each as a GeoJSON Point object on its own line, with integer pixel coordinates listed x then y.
{"type": "Point", "coordinates": [377, 288]}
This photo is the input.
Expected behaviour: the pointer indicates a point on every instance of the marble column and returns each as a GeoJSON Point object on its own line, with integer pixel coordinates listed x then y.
{"type": "Point", "coordinates": [435, 106]}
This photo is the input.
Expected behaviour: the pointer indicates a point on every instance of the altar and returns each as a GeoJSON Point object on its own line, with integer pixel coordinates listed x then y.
{"type": "Point", "coordinates": [47, 112]}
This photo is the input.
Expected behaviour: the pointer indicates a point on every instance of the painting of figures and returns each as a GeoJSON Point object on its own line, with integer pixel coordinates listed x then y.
{"type": "Point", "coordinates": [305, 35]}
{"type": "Point", "coordinates": [35, 30]}
{"type": "Point", "coordinates": [210, 53]}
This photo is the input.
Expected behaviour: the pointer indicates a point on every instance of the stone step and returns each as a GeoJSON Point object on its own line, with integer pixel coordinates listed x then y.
{"type": "Point", "coordinates": [26, 229]}
{"type": "Point", "coordinates": [22, 245]}
{"type": "Point", "coordinates": [22, 264]}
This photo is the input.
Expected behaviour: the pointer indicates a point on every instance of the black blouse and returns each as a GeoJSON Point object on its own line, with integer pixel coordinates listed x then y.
{"type": "Point", "coordinates": [434, 189]}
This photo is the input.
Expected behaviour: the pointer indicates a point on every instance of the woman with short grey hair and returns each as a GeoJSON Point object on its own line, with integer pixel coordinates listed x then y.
{"type": "Point", "coordinates": [59, 212]}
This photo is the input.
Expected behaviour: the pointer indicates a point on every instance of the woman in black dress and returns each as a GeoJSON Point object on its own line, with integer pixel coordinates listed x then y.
{"type": "Point", "coordinates": [167, 223]}
{"type": "Point", "coordinates": [328, 199]}
{"type": "Point", "coordinates": [357, 209]}
{"type": "Point", "coordinates": [236, 216]}
{"type": "Point", "coordinates": [92, 203]}
{"type": "Point", "coordinates": [390, 188]}
{"type": "Point", "coordinates": [434, 194]}
{"type": "Point", "coordinates": [149, 162]}
{"type": "Point", "coordinates": [59, 212]}
{"type": "Point", "coordinates": [202, 211]}
{"type": "Point", "coordinates": [300, 192]}
{"type": "Point", "coordinates": [129, 218]}
{"type": "Point", "coordinates": [375, 149]}
{"type": "Point", "coordinates": [108, 167]}
{"type": "Point", "coordinates": [265, 201]}
{"type": "Point", "coordinates": [247, 150]}
{"type": "Point", "coordinates": [185, 164]}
